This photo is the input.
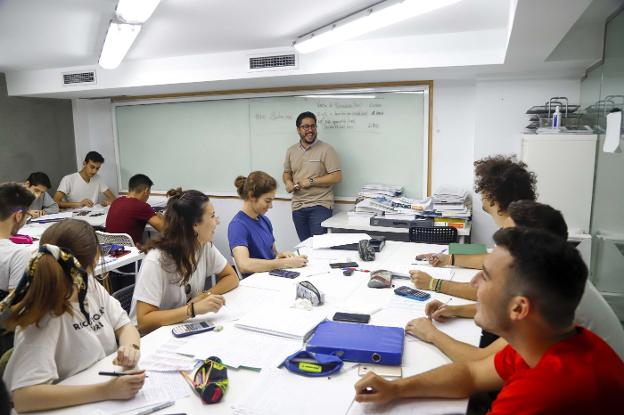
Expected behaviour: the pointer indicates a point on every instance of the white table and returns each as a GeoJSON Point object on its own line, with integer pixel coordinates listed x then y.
{"type": "Point", "coordinates": [418, 356]}
{"type": "Point", "coordinates": [35, 230]}
{"type": "Point", "coordinates": [340, 223]}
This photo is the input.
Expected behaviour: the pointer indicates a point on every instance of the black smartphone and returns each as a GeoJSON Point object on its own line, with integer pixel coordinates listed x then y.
{"type": "Point", "coordinates": [284, 273]}
{"type": "Point", "coordinates": [344, 265]}
{"type": "Point", "coordinates": [352, 317]}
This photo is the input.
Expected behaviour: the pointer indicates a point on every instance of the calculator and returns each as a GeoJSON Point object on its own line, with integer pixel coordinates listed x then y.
{"type": "Point", "coordinates": [189, 329]}
{"type": "Point", "coordinates": [412, 293]}
{"type": "Point", "coordinates": [284, 273]}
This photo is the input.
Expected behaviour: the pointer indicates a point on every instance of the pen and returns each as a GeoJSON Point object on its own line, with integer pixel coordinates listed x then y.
{"type": "Point", "coordinates": [357, 269]}
{"type": "Point", "coordinates": [104, 373]}
{"type": "Point", "coordinates": [155, 408]}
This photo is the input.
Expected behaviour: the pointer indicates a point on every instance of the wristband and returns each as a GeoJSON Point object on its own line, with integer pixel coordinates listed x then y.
{"type": "Point", "coordinates": [311, 180]}
{"type": "Point", "coordinates": [432, 283]}
{"type": "Point", "coordinates": [192, 309]}
{"type": "Point", "coordinates": [453, 259]}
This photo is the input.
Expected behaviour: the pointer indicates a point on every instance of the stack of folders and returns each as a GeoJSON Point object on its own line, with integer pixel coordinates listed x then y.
{"type": "Point", "coordinates": [291, 323]}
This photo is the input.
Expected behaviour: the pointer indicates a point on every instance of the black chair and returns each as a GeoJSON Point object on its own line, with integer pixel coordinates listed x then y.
{"type": "Point", "coordinates": [441, 235]}
{"type": "Point", "coordinates": [124, 296]}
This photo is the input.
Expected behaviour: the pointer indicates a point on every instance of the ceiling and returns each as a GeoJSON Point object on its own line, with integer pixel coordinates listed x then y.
{"type": "Point", "coordinates": [202, 44]}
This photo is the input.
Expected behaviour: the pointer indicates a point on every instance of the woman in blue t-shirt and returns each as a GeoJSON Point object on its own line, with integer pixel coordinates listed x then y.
{"type": "Point", "coordinates": [250, 232]}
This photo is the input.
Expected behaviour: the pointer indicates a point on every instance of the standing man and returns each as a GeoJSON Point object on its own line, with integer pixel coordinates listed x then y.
{"type": "Point", "coordinates": [311, 169]}
{"type": "Point", "coordinates": [83, 188]}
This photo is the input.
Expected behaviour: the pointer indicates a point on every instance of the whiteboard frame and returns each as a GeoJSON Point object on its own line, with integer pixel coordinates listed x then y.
{"type": "Point", "coordinates": [424, 87]}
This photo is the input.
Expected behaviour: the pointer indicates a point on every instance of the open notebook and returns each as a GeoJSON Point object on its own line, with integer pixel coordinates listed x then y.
{"type": "Point", "coordinates": [285, 322]}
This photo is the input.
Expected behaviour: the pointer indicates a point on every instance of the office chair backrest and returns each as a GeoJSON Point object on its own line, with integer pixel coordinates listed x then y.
{"type": "Point", "coordinates": [114, 238]}
{"type": "Point", "coordinates": [433, 235]}
{"type": "Point", "coordinates": [124, 296]}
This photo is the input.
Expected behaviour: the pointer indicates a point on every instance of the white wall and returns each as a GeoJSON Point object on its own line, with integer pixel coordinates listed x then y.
{"type": "Point", "coordinates": [500, 118]}
{"type": "Point", "coordinates": [471, 120]}
{"type": "Point", "coordinates": [93, 129]}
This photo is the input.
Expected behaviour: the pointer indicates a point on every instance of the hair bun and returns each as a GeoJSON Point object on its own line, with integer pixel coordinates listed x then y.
{"type": "Point", "coordinates": [175, 193]}
{"type": "Point", "coordinates": [239, 183]}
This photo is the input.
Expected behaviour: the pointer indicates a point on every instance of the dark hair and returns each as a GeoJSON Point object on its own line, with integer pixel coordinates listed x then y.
{"type": "Point", "coordinates": [503, 180]}
{"type": "Point", "coordinates": [547, 270]}
{"type": "Point", "coordinates": [39, 178]}
{"type": "Point", "coordinates": [178, 240]}
{"type": "Point", "coordinates": [303, 115]}
{"type": "Point", "coordinates": [257, 183]}
{"type": "Point", "coordinates": [50, 289]}
{"type": "Point", "coordinates": [537, 215]}
{"type": "Point", "coordinates": [139, 182]}
{"type": "Point", "coordinates": [94, 156]}
{"type": "Point", "coordinates": [14, 197]}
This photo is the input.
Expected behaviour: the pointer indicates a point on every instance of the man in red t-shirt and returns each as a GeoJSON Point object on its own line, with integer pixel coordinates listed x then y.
{"type": "Point", "coordinates": [528, 290]}
{"type": "Point", "coordinates": [129, 214]}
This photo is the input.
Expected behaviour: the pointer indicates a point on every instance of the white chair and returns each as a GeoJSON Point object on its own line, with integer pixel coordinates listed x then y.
{"type": "Point", "coordinates": [119, 239]}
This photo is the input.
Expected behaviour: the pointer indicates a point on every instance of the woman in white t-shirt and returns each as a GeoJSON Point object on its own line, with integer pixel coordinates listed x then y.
{"type": "Point", "coordinates": [65, 322]}
{"type": "Point", "coordinates": [170, 284]}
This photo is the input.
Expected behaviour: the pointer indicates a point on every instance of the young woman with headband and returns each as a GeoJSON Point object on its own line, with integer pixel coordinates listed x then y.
{"type": "Point", "coordinates": [170, 284]}
{"type": "Point", "coordinates": [250, 232]}
{"type": "Point", "coordinates": [65, 322]}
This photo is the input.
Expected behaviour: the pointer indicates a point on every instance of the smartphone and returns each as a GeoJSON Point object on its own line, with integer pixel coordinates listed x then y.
{"type": "Point", "coordinates": [344, 265]}
{"type": "Point", "coordinates": [189, 329]}
{"type": "Point", "coordinates": [352, 317]}
{"type": "Point", "coordinates": [381, 370]}
{"type": "Point", "coordinates": [412, 293]}
{"type": "Point", "coordinates": [284, 273]}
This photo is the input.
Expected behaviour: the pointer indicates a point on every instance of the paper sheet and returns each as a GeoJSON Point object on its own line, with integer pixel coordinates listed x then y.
{"type": "Point", "coordinates": [237, 347]}
{"type": "Point", "coordinates": [411, 407]}
{"type": "Point", "coordinates": [265, 281]}
{"type": "Point", "coordinates": [53, 216]}
{"type": "Point", "coordinates": [158, 387]}
{"type": "Point", "coordinates": [302, 395]}
{"type": "Point", "coordinates": [166, 358]}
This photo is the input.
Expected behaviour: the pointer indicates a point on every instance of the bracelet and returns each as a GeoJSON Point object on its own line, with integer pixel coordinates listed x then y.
{"type": "Point", "coordinates": [189, 310]}
{"type": "Point", "coordinates": [432, 283]}
{"type": "Point", "coordinates": [311, 180]}
{"type": "Point", "coordinates": [453, 259]}
{"type": "Point", "coordinates": [192, 309]}
{"type": "Point", "coordinates": [438, 286]}
{"type": "Point", "coordinates": [135, 346]}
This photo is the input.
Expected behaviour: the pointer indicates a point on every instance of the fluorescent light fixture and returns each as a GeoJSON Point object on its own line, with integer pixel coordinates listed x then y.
{"type": "Point", "coordinates": [367, 20]}
{"type": "Point", "coordinates": [338, 96]}
{"type": "Point", "coordinates": [119, 38]}
{"type": "Point", "coordinates": [136, 11]}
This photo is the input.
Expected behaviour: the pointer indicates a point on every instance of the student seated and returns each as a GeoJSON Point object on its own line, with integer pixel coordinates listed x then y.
{"type": "Point", "coordinates": [83, 188]}
{"type": "Point", "coordinates": [170, 284]}
{"type": "Point", "coordinates": [499, 180]}
{"type": "Point", "coordinates": [65, 322]}
{"type": "Point", "coordinates": [39, 183]}
{"type": "Point", "coordinates": [129, 214]}
{"type": "Point", "coordinates": [250, 232]}
{"type": "Point", "coordinates": [528, 290]}
{"type": "Point", "coordinates": [593, 312]}
{"type": "Point", "coordinates": [14, 202]}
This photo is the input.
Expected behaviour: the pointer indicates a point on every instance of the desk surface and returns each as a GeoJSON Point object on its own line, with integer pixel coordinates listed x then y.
{"type": "Point", "coordinates": [340, 292]}
{"type": "Point", "coordinates": [35, 230]}
{"type": "Point", "coordinates": [341, 221]}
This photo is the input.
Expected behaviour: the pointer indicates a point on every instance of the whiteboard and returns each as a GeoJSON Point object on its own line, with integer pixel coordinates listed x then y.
{"type": "Point", "coordinates": [380, 137]}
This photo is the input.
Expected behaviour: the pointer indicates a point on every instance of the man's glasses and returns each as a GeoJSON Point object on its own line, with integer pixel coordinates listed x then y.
{"type": "Point", "coordinates": [308, 127]}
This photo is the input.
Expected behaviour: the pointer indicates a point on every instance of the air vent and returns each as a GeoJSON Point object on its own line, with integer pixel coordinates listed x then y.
{"type": "Point", "coordinates": [77, 78]}
{"type": "Point", "coordinates": [273, 62]}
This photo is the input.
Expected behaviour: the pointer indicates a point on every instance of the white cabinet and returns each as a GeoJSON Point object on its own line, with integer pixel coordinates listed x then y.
{"type": "Point", "coordinates": [564, 165]}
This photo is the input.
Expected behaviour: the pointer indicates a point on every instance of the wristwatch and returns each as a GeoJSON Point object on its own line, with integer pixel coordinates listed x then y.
{"type": "Point", "coordinates": [311, 180]}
